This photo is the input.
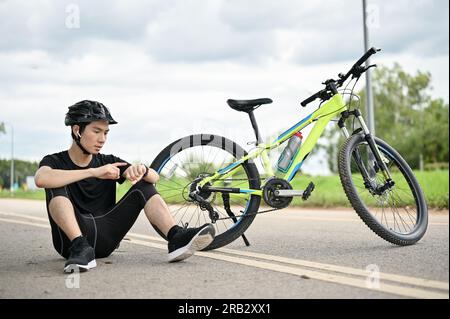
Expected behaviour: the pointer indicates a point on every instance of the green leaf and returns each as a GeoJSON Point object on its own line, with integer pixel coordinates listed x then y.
{"type": "Point", "coordinates": [405, 116]}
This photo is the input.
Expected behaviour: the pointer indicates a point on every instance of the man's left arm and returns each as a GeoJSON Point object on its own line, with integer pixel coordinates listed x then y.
{"type": "Point", "coordinates": [136, 172]}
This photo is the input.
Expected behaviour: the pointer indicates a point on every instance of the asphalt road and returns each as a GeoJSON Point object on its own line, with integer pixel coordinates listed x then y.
{"type": "Point", "coordinates": [294, 254]}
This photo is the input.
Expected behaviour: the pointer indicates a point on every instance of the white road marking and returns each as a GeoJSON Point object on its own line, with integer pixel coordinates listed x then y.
{"type": "Point", "coordinates": [358, 283]}
{"type": "Point", "coordinates": [13, 221]}
{"type": "Point", "coordinates": [336, 219]}
{"type": "Point", "coordinates": [320, 272]}
{"type": "Point", "coordinates": [45, 220]}
{"type": "Point", "coordinates": [321, 266]}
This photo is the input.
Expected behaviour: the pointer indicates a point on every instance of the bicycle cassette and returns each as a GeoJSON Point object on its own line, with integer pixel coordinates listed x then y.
{"type": "Point", "coordinates": [273, 184]}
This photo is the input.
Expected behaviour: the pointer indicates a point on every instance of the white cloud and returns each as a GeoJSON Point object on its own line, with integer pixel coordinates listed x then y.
{"type": "Point", "coordinates": [167, 68]}
{"type": "Point", "coordinates": [199, 31]}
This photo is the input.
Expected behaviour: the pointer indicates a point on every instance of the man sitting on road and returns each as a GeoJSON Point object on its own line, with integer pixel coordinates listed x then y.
{"type": "Point", "coordinates": [80, 187]}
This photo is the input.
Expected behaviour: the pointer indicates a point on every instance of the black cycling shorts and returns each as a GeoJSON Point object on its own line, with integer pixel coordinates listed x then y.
{"type": "Point", "coordinates": [103, 232]}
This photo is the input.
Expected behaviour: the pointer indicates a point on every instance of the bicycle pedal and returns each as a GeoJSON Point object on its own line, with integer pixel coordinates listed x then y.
{"type": "Point", "coordinates": [308, 191]}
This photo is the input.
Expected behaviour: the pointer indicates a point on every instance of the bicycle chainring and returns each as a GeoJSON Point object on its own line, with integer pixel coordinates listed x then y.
{"type": "Point", "coordinates": [272, 185]}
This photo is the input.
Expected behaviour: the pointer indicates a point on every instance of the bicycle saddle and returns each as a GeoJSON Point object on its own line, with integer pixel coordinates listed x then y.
{"type": "Point", "coordinates": [247, 105]}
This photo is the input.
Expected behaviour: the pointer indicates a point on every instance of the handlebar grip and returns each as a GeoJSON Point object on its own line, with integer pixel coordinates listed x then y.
{"type": "Point", "coordinates": [367, 55]}
{"type": "Point", "coordinates": [308, 100]}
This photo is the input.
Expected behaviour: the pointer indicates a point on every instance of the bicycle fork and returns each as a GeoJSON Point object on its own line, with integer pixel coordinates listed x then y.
{"type": "Point", "coordinates": [374, 151]}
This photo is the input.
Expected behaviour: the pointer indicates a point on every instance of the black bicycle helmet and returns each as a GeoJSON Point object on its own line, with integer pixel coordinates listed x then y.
{"type": "Point", "coordinates": [86, 112]}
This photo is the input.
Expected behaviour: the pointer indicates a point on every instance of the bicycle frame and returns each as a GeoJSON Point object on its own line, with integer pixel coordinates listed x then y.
{"type": "Point", "coordinates": [322, 117]}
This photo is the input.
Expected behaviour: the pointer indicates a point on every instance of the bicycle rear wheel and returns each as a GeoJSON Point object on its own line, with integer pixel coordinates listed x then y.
{"type": "Point", "coordinates": [183, 163]}
{"type": "Point", "coordinates": [398, 214]}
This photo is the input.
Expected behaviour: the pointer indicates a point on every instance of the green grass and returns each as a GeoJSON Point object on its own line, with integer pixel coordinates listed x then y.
{"type": "Point", "coordinates": [39, 194]}
{"type": "Point", "coordinates": [435, 186]}
{"type": "Point", "coordinates": [328, 191]}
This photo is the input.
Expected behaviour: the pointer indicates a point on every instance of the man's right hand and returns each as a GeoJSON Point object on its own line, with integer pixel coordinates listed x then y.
{"type": "Point", "coordinates": [108, 171]}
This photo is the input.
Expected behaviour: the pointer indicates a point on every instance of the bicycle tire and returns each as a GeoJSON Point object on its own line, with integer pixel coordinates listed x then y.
{"type": "Point", "coordinates": [249, 167]}
{"type": "Point", "coordinates": [345, 173]}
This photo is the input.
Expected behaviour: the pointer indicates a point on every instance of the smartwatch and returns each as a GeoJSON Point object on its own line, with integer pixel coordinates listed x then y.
{"type": "Point", "coordinates": [146, 171]}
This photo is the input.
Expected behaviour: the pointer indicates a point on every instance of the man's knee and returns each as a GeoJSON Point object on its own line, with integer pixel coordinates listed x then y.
{"type": "Point", "coordinates": [155, 200]}
{"type": "Point", "coordinates": [147, 190]}
{"type": "Point", "coordinates": [59, 203]}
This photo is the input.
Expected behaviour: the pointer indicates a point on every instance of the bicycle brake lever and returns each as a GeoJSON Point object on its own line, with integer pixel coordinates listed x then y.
{"type": "Point", "coordinates": [370, 66]}
{"type": "Point", "coordinates": [361, 69]}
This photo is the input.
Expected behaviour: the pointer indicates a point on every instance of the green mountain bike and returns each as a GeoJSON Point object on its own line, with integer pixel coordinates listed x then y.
{"type": "Point", "coordinates": [207, 178]}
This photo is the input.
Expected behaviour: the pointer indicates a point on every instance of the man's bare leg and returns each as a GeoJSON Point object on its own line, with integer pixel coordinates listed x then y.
{"type": "Point", "coordinates": [158, 214]}
{"type": "Point", "coordinates": [63, 214]}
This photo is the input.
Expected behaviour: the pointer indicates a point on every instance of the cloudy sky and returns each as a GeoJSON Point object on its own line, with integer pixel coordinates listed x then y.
{"type": "Point", "coordinates": [166, 68]}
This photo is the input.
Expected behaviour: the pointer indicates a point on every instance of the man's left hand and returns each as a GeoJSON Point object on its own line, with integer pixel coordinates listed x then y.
{"type": "Point", "coordinates": [134, 173]}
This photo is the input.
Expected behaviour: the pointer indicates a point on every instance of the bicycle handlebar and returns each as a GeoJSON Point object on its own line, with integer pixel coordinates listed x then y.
{"type": "Point", "coordinates": [358, 63]}
{"type": "Point", "coordinates": [367, 55]}
{"type": "Point", "coordinates": [356, 69]}
{"type": "Point", "coordinates": [310, 99]}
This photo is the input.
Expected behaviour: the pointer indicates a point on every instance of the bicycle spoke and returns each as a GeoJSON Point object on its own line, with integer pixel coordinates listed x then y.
{"type": "Point", "coordinates": [407, 212]}
{"type": "Point", "coordinates": [175, 212]}
{"type": "Point", "coordinates": [208, 163]}
{"type": "Point", "coordinates": [164, 178]}
{"type": "Point", "coordinates": [179, 166]}
{"type": "Point", "coordinates": [167, 188]}
{"type": "Point", "coordinates": [183, 168]}
{"type": "Point", "coordinates": [395, 211]}
{"type": "Point", "coordinates": [398, 217]}
{"type": "Point", "coordinates": [218, 151]}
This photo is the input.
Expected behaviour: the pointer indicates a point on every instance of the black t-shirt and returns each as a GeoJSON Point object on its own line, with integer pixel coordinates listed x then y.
{"type": "Point", "coordinates": [90, 195]}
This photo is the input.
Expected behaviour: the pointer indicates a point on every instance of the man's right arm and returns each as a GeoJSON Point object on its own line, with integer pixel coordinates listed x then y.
{"type": "Point", "coordinates": [47, 177]}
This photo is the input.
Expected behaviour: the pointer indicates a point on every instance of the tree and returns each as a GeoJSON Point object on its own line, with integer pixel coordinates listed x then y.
{"type": "Point", "coordinates": [405, 116]}
{"type": "Point", "coordinates": [22, 169]}
{"type": "Point", "coordinates": [2, 127]}
{"type": "Point", "coordinates": [435, 132]}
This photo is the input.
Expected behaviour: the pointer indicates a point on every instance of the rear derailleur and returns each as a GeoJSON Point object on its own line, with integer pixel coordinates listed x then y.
{"type": "Point", "coordinates": [205, 206]}
{"type": "Point", "coordinates": [202, 197]}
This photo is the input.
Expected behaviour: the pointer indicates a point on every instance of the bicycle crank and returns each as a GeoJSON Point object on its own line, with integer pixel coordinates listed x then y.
{"type": "Point", "coordinates": [291, 193]}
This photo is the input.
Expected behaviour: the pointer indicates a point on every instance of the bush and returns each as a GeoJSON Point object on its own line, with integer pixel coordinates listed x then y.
{"type": "Point", "coordinates": [436, 166]}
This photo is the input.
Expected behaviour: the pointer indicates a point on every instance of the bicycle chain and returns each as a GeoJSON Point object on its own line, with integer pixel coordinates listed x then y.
{"type": "Point", "coordinates": [215, 214]}
{"type": "Point", "coordinates": [246, 215]}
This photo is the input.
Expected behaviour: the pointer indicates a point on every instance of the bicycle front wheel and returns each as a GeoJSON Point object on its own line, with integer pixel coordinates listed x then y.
{"type": "Point", "coordinates": [185, 162]}
{"type": "Point", "coordinates": [398, 214]}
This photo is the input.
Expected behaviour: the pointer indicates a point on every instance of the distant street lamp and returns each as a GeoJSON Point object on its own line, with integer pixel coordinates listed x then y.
{"type": "Point", "coordinates": [369, 95]}
{"type": "Point", "coordinates": [11, 186]}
